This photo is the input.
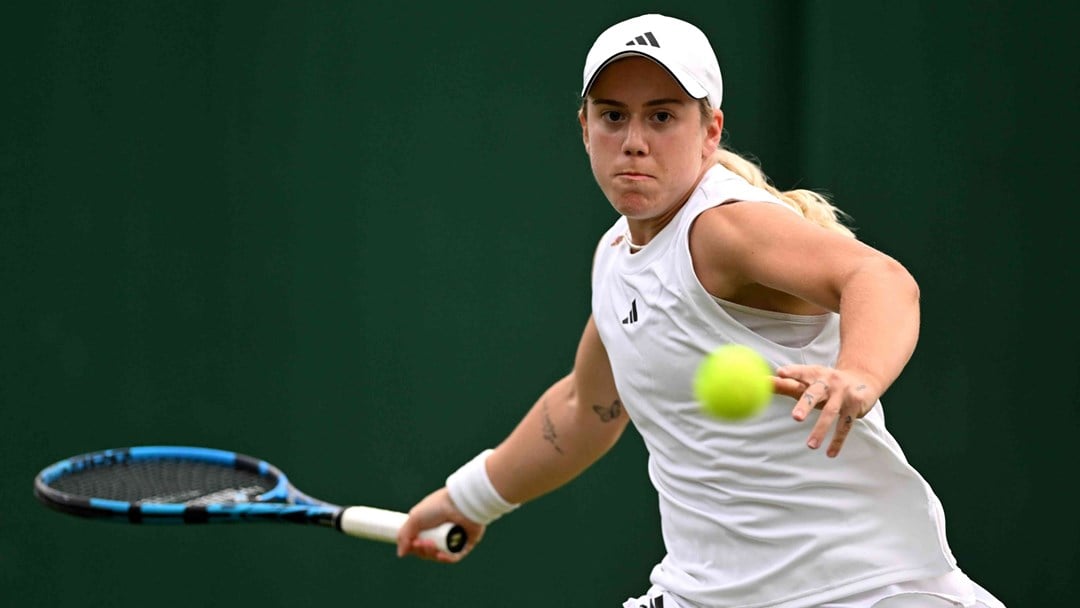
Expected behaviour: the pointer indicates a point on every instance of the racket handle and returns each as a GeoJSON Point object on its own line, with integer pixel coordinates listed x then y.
{"type": "Point", "coordinates": [383, 525]}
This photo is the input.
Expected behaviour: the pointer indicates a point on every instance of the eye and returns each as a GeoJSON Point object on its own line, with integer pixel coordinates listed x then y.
{"type": "Point", "coordinates": [611, 115]}
{"type": "Point", "coordinates": [662, 116]}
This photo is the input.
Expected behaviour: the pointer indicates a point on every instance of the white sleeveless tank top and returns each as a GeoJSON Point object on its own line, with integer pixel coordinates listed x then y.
{"type": "Point", "coordinates": [750, 516]}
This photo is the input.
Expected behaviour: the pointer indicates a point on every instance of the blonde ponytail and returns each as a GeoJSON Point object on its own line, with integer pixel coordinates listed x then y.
{"type": "Point", "coordinates": [809, 204]}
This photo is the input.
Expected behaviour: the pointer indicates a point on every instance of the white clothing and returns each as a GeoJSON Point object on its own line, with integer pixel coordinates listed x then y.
{"type": "Point", "coordinates": [750, 516]}
{"type": "Point", "coordinates": [952, 590]}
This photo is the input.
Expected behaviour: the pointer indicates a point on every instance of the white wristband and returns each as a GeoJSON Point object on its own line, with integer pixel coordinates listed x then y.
{"type": "Point", "coordinates": [471, 490]}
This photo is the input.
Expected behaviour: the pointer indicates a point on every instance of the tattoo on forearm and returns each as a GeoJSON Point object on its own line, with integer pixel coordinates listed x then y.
{"type": "Point", "coordinates": [607, 414]}
{"type": "Point", "coordinates": [549, 429]}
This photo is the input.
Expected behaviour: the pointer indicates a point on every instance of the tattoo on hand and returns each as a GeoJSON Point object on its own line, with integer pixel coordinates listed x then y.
{"type": "Point", "coordinates": [549, 429]}
{"type": "Point", "coordinates": [607, 414]}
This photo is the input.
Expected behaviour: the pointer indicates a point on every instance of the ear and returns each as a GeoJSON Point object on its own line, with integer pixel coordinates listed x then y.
{"type": "Point", "coordinates": [584, 129]}
{"type": "Point", "coordinates": [713, 132]}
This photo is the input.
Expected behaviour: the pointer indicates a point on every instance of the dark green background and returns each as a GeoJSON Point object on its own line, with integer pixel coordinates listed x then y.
{"type": "Point", "coordinates": [354, 239]}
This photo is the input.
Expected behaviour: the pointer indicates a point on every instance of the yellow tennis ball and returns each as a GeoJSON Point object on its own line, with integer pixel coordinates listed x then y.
{"type": "Point", "coordinates": [733, 382]}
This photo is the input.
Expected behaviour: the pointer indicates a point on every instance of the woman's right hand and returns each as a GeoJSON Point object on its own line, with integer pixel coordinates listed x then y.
{"type": "Point", "coordinates": [435, 509]}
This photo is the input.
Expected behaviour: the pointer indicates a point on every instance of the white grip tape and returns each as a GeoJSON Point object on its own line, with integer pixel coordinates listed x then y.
{"type": "Point", "coordinates": [473, 494]}
{"type": "Point", "coordinates": [383, 525]}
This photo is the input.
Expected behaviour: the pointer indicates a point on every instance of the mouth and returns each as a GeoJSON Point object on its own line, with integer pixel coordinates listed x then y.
{"type": "Point", "coordinates": [633, 175]}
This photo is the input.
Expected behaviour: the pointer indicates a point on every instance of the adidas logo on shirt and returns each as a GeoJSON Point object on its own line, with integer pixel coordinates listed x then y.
{"type": "Point", "coordinates": [632, 316]}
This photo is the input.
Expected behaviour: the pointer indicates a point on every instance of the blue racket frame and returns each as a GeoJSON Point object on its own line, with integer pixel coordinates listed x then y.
{"type": "Point", "coordinates": [283, 503]}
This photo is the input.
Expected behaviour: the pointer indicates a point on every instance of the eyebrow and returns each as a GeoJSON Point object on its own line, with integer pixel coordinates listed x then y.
{"type": "Point", "coordinates": [651, 103]}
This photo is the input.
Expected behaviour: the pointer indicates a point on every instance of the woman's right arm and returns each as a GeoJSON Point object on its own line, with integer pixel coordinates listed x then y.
{"type": "Point", "coordinates": [575, 422]}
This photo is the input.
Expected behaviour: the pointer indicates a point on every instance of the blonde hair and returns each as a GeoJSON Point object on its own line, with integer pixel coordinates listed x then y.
{"type": "Point", "coordinates": [809, 204]}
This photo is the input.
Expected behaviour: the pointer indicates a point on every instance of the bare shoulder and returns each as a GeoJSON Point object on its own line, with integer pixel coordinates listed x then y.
{"type": "Point", "coordinates": [722, 236]}
{"type": "Point", "coordinates": [735, 221]}
{"type": "Point", "coordinates": [755, 228]}
{"type": "Point", "coordinates": [750, 251]}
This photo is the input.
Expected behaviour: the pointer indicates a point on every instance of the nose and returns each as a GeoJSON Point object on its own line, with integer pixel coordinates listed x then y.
{"type": "Point", "coordinates": [635, 144]}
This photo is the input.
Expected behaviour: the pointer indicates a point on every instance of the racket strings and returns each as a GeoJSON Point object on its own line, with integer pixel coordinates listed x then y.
{"type": "Point", "coordinates": [166, 481]}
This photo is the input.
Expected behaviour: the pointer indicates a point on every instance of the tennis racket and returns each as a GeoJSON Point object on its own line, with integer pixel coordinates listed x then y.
{"type": "Point", "coordinates": [193, 485]}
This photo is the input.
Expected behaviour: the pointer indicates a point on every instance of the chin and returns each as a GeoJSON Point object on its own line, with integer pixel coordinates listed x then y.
{"type": "Point", "coordinates": [624, 201]}
{"type": "Point", "coordinates": [635, 210]}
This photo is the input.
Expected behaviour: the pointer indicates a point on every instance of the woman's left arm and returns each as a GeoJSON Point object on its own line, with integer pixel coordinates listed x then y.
{"type": "Point", "coordinates": [747, 243]}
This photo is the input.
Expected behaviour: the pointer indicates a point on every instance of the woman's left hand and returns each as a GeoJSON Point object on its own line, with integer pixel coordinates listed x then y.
{"type": "Point", "coordinates": [842, 396]}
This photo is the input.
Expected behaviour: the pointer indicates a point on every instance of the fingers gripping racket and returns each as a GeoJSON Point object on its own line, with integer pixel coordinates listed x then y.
{"type": "Point", "coordinates": [173, 484]}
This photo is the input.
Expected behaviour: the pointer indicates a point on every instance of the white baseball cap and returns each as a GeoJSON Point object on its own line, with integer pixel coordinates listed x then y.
{"type": "Point", "coordinates": [679, 47]}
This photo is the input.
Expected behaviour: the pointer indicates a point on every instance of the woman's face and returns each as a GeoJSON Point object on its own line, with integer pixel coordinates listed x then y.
{"type": "Point", "coordinates": [645, 138]}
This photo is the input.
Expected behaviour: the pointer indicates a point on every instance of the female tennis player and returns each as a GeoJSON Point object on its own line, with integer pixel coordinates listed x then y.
{"type": "Point", "coordinates": [812, 502]}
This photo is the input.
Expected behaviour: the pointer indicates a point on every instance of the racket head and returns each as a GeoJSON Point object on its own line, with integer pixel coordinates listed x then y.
{"type": "Point", "coordinates": [177, 484]}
